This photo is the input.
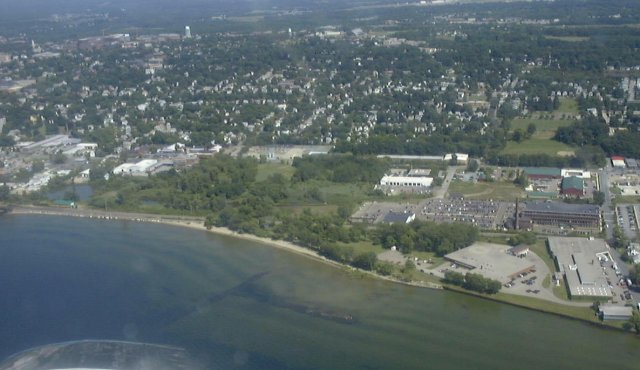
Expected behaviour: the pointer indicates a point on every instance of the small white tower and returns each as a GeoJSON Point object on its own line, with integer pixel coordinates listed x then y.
{"type": "Point", "coordinates": [187, 32]}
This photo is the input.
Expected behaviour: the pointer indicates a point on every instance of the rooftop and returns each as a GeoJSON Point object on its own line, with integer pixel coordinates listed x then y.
{"type": "Point", "coordinates": [399, 217]}
{"type": "Point", "coordinates": [572, 182]}
{"type": "Point", "coordinates": [491, 260]}
{"type": "Point", "coordinates": [576, 258]}
{"type": "Point", "coordinates": [542, 171]}
{"type": "Point", "coordinates": [615, 310]}
{"type": "Point", "coordinates": [559, 207]}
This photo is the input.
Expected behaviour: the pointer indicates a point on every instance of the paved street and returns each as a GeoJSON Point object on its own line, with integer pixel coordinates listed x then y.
{"type": "Point", "coordinates": [440, 192]}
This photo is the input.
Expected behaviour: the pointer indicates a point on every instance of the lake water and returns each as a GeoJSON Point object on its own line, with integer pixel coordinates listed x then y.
{"type": "Point", "coordinates": [238, 304]}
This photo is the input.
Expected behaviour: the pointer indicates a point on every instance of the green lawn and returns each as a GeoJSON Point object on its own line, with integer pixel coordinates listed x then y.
{"type": "Point", "coordinates": [486, 190]}
{"type": "Point", "coordinates": [435, 260]}
{"type": "Point", "coordinates": [583, 313]}
{"type": "Point", "coordinates": [545, 128]}
{"type": "Point", "coordinates": [538, 146]}
{"type": "Point", "coordinates": [560, 291]}
{"type": "Point", "coordinates": [547, 281]}
{"type": "Point", "coordinates": [567, 105]}
{"type": "Point", "coordinates": [541, 142]}
{"type": "Point", "coordinates": [619, 199]}
{"type": "Point", "coordinates": [363, 246]}
{"type": "Point", "coordinates": [540, 249]}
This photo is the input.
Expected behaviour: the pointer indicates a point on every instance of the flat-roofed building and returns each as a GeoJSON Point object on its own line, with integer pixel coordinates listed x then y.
{"type": "Point", "coordinates": [419, 172]}
{"type": "Point", "coordinates": [519, 250]}
{"type": "Point", "coordinates": [492, 261]}
{"type": "Point", "coordinates": [578, 262]}
{"type": "Point", "coordinates": [537, 173]}
{"type": "Point", "coordinates": [406, 181]}
{"type": "Point", "coordinates": [583, 174]}
{"type": "Point", "coordinates": [135, 169]}
{"type": "Point", "coordinates": [617, 161]}
{"type": "Point", "coordinates": [631, 163]}
{"type": "Point", "coordinates": [399, 217]}
{"type": "Point", "coordinates": [461, 158]}
{"type": "Point", "coordinates": [615, 312]}
{"type": "Point", "coordinates": [585, 216]}
{"type": "Point", "coordinates": [572, 186]}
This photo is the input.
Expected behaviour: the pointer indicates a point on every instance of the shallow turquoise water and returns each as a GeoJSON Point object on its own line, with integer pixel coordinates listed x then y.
{"type": "Point", "coordinates": [238, 304]}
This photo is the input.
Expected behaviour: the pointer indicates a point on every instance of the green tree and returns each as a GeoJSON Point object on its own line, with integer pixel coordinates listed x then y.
{"type": "Point", "coordinates": [473, 165]}
{"type": "Point", "coordinates": [6, 141]}
{"type": "Point", "coordinates": [525, 237]}
{"type": "Point", "coordinates": [598, 198]}
{"type": "Point", "coordinates": [531, 129]}
{"type": "Point", "coordinates": [521, 180]}
{"type": "Point", "coordinates": [365, 260]}
{"type": "Point", "coordinates": [453, 277]}
{"type": "Point", "coordinates": [634, 274]}
{"type": "Point", "coordinates": [409, 266]}
{"type": "Point", "coordinates": [58, 157]}
{"type": "Point", "coordinates": [5, 192]}
{"type": "Point", "coordinates": [634, 322]}
{"type": "Point", "coordinates": [384, 268]}
{"type": "Point", "coordinates": [37, 166]}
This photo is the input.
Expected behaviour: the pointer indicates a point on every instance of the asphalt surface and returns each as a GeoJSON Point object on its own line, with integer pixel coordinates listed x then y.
{"type": "Point", "coordinates": [609, 217]}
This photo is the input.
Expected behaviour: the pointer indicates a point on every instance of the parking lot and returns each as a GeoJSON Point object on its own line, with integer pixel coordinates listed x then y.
{"type": "Point", "coordinates": [486, 214]}
{"type": "Point", "coordinates": [615, 279]}
{"type": "Point", "coordinates": [627, 220]}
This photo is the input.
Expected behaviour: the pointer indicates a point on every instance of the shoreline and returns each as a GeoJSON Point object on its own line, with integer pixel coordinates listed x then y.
{"type": "Point", "coordinates": [197, 223]}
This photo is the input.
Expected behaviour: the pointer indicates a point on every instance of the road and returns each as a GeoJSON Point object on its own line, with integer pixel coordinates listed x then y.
{"type": "Point", "coordinates": [607, 207]}
{"type": "Point", "coordinates": [442, 190]}
{"type": "Point", "coordinates": [609, 217]}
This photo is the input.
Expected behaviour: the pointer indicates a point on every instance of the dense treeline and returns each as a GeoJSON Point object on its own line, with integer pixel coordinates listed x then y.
{"type": "Point", "coordinates": [340, 168]}
{"type": "Point", "coordinates": [226, 191]}
{"type": "Point", "coordinates": [448, 141]}
{"type": "Point", "coordinates": [471, 281]}
{"type": "Point", "coordinates": [426, 236]}
{"type": "Point", "coordinates": [594, 132]}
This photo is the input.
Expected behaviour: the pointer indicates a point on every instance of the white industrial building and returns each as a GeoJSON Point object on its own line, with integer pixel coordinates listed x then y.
{"type": "Point", "coordinates": [135, 169]}
{"type": "Point", "coordinates": [568, 172]}
{"type": "Point", "coordinates": [618, 162]}
{"type": "Point", "coordinates": [406, 181]}
{"type": "Point", "coordinates": [460, 157]}
{"type": "Point", "coordinates": [82, 149]}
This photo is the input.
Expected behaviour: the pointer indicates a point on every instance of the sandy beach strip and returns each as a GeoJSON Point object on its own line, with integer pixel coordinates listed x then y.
{"type": "Point", "coordinates": [197, 223]}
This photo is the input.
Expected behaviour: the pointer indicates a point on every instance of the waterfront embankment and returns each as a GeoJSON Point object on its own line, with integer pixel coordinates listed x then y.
{"type": "Point", "coordinates": [197, 223]}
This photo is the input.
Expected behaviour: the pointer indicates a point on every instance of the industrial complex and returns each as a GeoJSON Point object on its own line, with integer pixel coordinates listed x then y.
{"type": "Point", "coordinates": [581, 263]}
{"type": "Point", "coordinates": [493, 261]}
{"type": "Point", "coordinates": [558, 214]}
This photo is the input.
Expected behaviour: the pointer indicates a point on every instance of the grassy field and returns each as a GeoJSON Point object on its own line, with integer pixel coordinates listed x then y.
{"type": "Point", "coordinates": [538, 146]}
{"type": "Point", "coordinates": [547, 281]}
{"type": "Point", "coordinates": [542, 140]}
{"type": "Point", "coordinates": [363, 246]}
{"type": "Point", "coordinates": [486, 190]}
{"type": "Point", "coordinates": [545, 128]}
{"type": "Point", "coordinates": [582, 313]}
{"type": "Point", "coordinates": [567, 105]}
{"type": "Point", "coordinates": [560, 291]}
{"type": "Point", "coordinates": [540, 249]}
{"type": "Point", "coordinates": [626, 199]}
